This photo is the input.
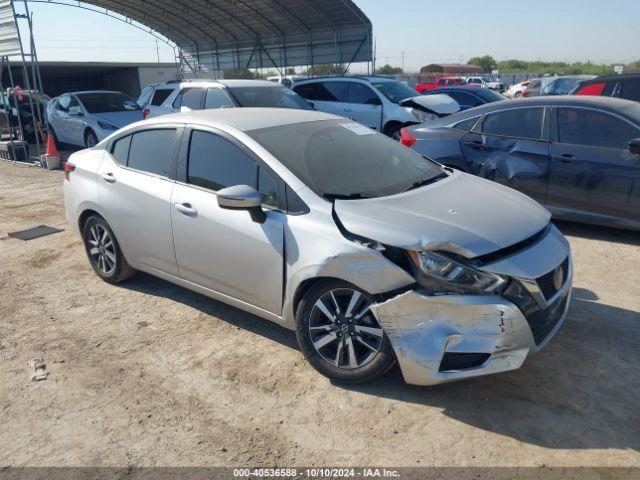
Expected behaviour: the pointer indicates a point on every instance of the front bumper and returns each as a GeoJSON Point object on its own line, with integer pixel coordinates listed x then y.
{"type": "Point", "coordinates": [425, 330]}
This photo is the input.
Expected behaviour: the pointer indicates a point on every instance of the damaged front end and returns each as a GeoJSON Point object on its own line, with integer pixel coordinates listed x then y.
{"type": "Point", "coordinates": [480, 304]}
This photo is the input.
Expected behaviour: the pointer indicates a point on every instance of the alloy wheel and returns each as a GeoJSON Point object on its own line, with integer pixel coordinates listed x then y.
{"type": "Point", "coordinates": [102, 250]}
{"type": "Point", "coordinates": [343, 329]}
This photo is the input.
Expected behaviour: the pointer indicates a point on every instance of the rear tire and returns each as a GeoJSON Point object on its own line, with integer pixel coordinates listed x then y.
{"type": "Point", "coordinates": [103, 251]}
{"type": "Point", "coordinates": [352, 348]}
{"type": "Point", "coordinates": [517, 95]}
{"type": "Point", "coordinates": [393, 131]}
{"type": "Point", "coordinates": [90, 139]}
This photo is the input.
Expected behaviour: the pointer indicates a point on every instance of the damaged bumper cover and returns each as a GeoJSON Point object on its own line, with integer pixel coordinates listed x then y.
{"type": "Point", "coordinates": [490, 333]}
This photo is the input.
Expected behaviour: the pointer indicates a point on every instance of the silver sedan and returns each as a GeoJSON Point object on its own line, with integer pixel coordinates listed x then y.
{"type": "Point", "coordinates": [372, 253]}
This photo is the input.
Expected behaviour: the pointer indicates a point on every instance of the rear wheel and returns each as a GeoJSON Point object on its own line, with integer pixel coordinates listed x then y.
{"type": "Point", "coordinates": [103, 251]}
{"type": "Point", "coordinates": [517, 94]}
{"type": "Point", "coordinates": [90, 139]}
{"type": "Point", "coordinates": [339, 335]}
{"type": "Point", "coordinates": [393, 131]}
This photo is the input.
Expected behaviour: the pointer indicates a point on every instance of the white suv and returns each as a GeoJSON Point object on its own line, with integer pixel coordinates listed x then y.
{"type": "Point", "coordinates": [380, 103]}
{"type": "Point", "coordinates": [188, 95]}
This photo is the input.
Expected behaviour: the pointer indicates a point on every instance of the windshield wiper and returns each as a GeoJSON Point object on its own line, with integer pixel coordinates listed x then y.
{"type": "Point", "coordinates": [426, 181]}
{"type": "Point", "coordinates": [345, 196]}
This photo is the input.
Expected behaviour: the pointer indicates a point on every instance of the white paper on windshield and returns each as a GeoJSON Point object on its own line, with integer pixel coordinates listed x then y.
{"type": "Point", "coordinates": [358, 129]}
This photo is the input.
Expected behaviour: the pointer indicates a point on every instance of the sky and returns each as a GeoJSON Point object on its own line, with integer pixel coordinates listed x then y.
{"type": "Point", "coordinates": [413, 32]}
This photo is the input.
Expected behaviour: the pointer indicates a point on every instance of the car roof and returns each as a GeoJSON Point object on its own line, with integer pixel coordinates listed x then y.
{"type": "Point", "coordinates": [626, 107]}
{"type": "Point", "coordinates": [371, 78]}
{"type": "Point", "coordinates": [225, 82]}
{"type": "Point", "coordinates": [91, 92]}
{"type": "Point", "coordinates": [244, 119]}
{"type": "Point", "coordinates": [605, 78]}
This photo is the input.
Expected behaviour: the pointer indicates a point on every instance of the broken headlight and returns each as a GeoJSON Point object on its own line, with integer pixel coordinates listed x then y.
{"type": "Point", "coordinates": [422, 116]}
{"type": "Point", "coordinates": [443, 274]}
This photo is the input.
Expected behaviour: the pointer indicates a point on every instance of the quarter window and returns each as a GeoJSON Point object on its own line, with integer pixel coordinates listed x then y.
{"type": "Point", "coordinates": [216, 163]}
{"type": "Point", "coordinates": [466, 125]}
{"type": "Point", "coordinates": [516, 123]}
{"type": "Point", "coordinates": [120, 150]}
{"type": "Point", "coordinates": [596, 129]}
{"type": "Point", "coordinates": [160, 95]}
{"type": "Point", "coordinates": [150, 151]}
{"type": "Point", "coordinates": [217, 98]}
{"type": "Point", "coordinates": [269, 188]}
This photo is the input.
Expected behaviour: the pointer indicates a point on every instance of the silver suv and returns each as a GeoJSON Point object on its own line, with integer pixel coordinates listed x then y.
{"type": "Point", "coordinates": [380, 103]}
{"type": "Point", "coordinates": [371, 252]}
{"type": "Point", "coordinates": [175, 97]}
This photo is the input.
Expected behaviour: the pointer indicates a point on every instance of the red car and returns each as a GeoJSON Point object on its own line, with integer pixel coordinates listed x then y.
{"type": "Point", "coordinates": [440, 82]}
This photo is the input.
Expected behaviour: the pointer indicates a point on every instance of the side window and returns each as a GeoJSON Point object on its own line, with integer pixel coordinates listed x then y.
{"type": "Point", "coordinates": [269, 187]}
{"type": "Point", "coordinates": [217, 98]}
{"type": "Point", "coordinates": [216, 163]}
{"type": "Point", "coordinates": [190, 98]}
{"type": "Point", "coordinates": [150, 150]}
{"type": "Point", "coordinates": [63, 103]}
{"type": "Point", "coordinates": [592, 128]}
{"type": "Point", "coordinates": [465, 99]}
{"type": "Point", "coordinates": [517, 123]}
{"type": "Point", "coordinates": [631, 90]}
{"type": "Point", "coordinates": [160, 95]}
{"type": "Point", "coordinates": [323, 91]}
{"type": "Point", "coordinates": [466, 125]}
{"type": "Point", "coordinates": [359, 93]}
{"type": "Point", "coordinates": [120, 149]}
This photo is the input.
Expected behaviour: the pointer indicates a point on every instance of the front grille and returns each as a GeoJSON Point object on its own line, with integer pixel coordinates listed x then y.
{"type": "Point", "coordinates": [462, 361]}
{"type": "Point", "coordinates": [544, 321]}
{"type": "Point", "coordinates": [546, 283]}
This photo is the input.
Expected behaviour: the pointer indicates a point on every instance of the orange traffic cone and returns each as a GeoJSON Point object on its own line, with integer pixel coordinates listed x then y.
{"type": "Point", "coordinates": [52, 157]}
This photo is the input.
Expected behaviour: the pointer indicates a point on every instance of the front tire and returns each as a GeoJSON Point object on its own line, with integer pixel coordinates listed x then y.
{"type": "Point", "coordinates": [103, 251]}
{"type": "Point", "coordinates": [339, 335]}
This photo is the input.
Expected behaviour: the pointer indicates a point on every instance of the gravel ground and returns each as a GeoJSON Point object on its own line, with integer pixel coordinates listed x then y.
{"type": "Point", "coordinates": [149, 374]}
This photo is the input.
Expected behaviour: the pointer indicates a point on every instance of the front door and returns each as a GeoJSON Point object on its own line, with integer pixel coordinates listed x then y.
{"type": "Point", "coordinates": [592, 170]}
{"type": "Point", "coordinates": [224, 250]}
{"type": "Point", "coordinates": [136, 172]}
{"type": "Point", "coordinates": [510, 147]}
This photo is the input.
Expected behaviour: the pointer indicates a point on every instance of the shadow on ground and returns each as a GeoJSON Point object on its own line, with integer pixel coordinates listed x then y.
{"type": "Point", "coordinates": [595, 232]}
{"type": "Point", "coordinates": [580, 392]}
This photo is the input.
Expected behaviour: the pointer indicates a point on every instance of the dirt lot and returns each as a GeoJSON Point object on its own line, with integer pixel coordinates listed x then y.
{"type": "Point", "coordinates": [147, 373]}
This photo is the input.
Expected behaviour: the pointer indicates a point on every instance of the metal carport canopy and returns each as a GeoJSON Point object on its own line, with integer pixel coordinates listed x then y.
{"type": "Point", "coordinates": [226, 34]}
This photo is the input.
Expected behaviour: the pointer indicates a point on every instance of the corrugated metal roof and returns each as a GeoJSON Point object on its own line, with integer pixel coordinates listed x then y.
{"type": "Point", "coordinates": [9, 40]}
{"type": "Point", "coordinates": [223, 34]}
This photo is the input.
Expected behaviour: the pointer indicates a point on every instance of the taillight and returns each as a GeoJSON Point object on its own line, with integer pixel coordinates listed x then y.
{"type": "Point", "coordinates": [525, 92]}
{"type": "Point", "coordinates": [406, 138]}
{"type": "Point", "coordinates": [595, 89]}
{"type": "Point", "coordinates": [145, 112]}
{"type": "Point", "coordinates": [68, 168]}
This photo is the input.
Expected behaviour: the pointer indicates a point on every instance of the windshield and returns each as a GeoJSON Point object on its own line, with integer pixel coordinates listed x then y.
{"type": "Point", "coordinates": [107, 102]}
{"type": "Point", "coordinates": [343, 159]}
{"type": "Point", "coordinates": [276, 97]}
{"type": "Point", "coordinates": [395, 91]}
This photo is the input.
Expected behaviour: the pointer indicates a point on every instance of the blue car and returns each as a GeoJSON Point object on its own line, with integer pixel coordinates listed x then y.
{"type": "Point", "coordinates": [578, 156]}
{"type": "Point", "coordinates": [469, 97]}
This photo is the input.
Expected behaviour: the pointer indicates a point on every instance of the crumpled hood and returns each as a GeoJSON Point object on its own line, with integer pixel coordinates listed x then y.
{"type": "Point", "coordinates": [438, 103]}
{"type": "Point", "coordinates": [462, 214]}
{"type": "Point", "coordinates": [119, 119]}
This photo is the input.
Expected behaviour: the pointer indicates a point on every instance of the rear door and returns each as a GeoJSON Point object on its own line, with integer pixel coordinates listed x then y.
{"type": "Point", "coordinates": [511, 147]}
{"type": "Point", "coordinates": [134, 186]}
{"type": "Point", "coordinates": [363, 105]}
{"type": "Point", "coordinates": [327, 96]}
{"type": "Point", "coordinates": [591, 168]}
{"type": "Point", "coordinates": [224, 250]}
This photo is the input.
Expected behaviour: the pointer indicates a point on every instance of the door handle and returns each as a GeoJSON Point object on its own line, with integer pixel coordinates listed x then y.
{"type": "Point", "coordinates": [108, 177]}
{"type": "Point", "coordinates": [475, 144]}
{"type": "Point", "coordinates": [567, 158]}
{"type": "Point", "coordinates": [347, 109]}
{"type": "Point", "coordinates": [186, 208]}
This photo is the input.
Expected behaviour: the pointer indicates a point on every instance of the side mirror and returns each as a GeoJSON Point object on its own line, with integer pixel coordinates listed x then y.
{"type": "Point", "coordinates": [75, 112]}
{"type": "Point", "coordinates": [242, 197]}
{"type": "Point", "coordinates": [312, 105]}
{"type": "Point", "coordinates": [634, 146]}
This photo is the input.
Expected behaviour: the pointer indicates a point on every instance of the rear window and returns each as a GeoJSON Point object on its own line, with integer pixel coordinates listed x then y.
{"type": "Point", "coordinates": [516, 123]}
{"type": "Point", "coordinates": [150, 151]}
{"type": "Point", "coordinates": [160, 95]}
